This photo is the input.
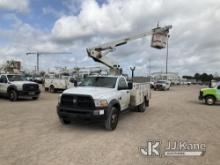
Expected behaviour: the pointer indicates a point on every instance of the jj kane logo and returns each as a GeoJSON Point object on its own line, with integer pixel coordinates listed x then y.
{"type": "Point", "coordinates": [172, 148]}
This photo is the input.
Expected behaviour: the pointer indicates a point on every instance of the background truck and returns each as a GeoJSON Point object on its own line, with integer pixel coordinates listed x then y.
{"type": "Point", "coordinates": [14, 86]}
{"type": "Point", "coordinates": [162, 85]}
{"type": "Point", "coordinates": [103, 97]}
{"type": "Point", "coordinates": [53, 84]}
{"type": "Point", "coordinates": [210, 95]}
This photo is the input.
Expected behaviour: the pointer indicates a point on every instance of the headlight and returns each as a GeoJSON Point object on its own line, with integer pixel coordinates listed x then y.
{"type": "Point", "coordinates": [59, 98]}
{"type": "Point", "coordinates": [101, 103]}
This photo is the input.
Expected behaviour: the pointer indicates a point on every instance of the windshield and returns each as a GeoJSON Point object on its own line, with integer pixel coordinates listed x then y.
{"type": "Point", "coordinates": [16, 78]}
{"type": "Point", "coordinates": [217, 85]}
{"type": "Point", "coordinates": [106, 82]}
{"type": "Point", "coordinates": [161, 82]}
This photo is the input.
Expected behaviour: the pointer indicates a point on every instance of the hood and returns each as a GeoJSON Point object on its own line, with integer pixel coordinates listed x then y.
{"type": "Point", "coordinates": [95, 92]}
{"type": "Point", "coordinates": [160, 84]}
{"type": "Point", "coordinates": [22, 82]}
{"type": "Point", "coordinates": [208, 89]}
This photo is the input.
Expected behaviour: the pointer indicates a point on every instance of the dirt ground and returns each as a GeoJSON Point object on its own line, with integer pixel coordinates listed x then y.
{"type": "Point", "coordinates": [30, 132]}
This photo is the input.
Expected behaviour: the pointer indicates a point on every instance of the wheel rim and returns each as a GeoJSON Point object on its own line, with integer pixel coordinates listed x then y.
{"type": "Point", "coordinates": [114, 118]}
{"type": "Point", "coordinates": [52, 89]}
{"type": "Point", "coordinates": [210, 101]}
{"type": "Point", "coordinates": [11, 95]}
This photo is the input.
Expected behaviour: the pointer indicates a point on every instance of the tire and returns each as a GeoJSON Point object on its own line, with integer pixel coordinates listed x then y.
{"type": "Point", "coordinates": [147, 103]}
{"type": "Point", "coordinates": [142, 107]}
{"type": "Point", "coordinates": [12, 95]}
{"type": "Point", "coordinates": [46, 89]}
{"type": "Point", "coordinates": [65, 121]}
{"type": "Point", "coordinates": [210, 100]}
{"type": "Point", "coordinates": [111, 121]}
{"type": "Point", "coordinates": [34, 98]}
{"type": "Point", "coordinates": [52, 89]}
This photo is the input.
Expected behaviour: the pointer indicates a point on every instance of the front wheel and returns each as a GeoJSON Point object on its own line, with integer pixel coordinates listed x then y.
{"type": "Point", "coordinates": [112, 119]}
{"type": "Point", "coordinates": [13, 96]}
{"type": "Point", "coordinates": [210, 100]}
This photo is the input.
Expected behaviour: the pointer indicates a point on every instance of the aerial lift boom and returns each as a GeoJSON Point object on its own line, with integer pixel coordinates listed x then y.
{"type": "Point", "coordinates": [98, 53]}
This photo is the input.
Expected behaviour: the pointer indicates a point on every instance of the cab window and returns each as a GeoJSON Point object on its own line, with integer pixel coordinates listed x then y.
{"type": "Point", "coordinates": [3, 79]}
{"type": "Point", "coordinates": [122, 83]}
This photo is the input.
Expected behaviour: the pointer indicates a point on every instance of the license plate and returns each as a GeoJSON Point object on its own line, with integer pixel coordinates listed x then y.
{"type": "Point", "coordinates": [31, 93]}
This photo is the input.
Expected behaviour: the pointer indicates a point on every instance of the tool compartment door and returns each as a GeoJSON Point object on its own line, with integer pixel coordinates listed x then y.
{"type": "Point", "coordinates": [138, 93]}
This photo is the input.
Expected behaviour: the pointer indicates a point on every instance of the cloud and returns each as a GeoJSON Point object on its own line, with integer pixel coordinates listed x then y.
{"type": "Point", "coordinates": [51, 11]}
{"type": "Point", "coordinates": [18, 5]}
{"type": "Point", "coordinates": [73, 6]}
{"type": "Point", "coordinates": [92, 20]}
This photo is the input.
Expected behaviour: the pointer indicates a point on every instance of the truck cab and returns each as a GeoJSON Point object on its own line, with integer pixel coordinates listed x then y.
{"type": "Point", "coordinates": [101, 97]}
{"type": "Point", "coordinates": [210, 95]}
{"type": "Point", "coordinates": [15, 86]}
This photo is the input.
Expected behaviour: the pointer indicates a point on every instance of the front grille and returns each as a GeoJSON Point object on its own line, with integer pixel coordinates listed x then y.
{"type": "Point", "coordinates": [159, 86]}
{"type": "Point", "coordinates": [77, 101]}
{"type": "Point", "coordinates": [30, 87]}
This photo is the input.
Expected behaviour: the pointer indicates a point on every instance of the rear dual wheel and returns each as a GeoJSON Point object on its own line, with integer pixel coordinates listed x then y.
{"type": "Point", "coordinates": [142, 107]}
{"type": "Point", "coordinates": [52, 89]}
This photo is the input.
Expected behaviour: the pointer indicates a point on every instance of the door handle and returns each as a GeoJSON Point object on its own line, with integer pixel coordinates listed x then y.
{"type": "Point", "coordinates": [119, 98]}
{"type": "Point", "coordinates": [127, 92]}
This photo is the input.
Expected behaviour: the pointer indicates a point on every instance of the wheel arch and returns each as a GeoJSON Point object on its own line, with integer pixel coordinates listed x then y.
{"type": "Point", "coordinates": [12, 87]}
{"type": "Point", "coordinates": [114, 103]}
{"type": "Point", "coordinates": [210, 95]}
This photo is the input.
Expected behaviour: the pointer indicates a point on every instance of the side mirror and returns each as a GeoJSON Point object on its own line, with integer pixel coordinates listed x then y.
{"type": "Point", "coordinates": [72, 80]}
{"type": "Point", "coordinates": [130, 85]}
{"type": "Point", "coordinates": [120, 88]}
{"type": "Point", "coordinates": [218, 87]}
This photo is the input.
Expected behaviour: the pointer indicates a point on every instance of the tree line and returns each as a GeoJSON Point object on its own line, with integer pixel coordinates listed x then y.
{"type": "Point", "coordinates": [204, 77]}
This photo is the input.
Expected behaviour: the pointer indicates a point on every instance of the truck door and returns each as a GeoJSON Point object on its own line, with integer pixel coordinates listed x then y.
{"type": "Point", "coordinates": [218, 92]}
{"type": "Point", "coordinates": [124, 96]}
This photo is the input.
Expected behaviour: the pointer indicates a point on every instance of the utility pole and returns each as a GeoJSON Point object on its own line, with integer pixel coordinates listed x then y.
{"type": "Point", "coordinates": [167, 53]}
{"type": "Point", "coordinates": [149, 67]}
{"type": "Point", "coordinates": [38, 54]}
{"type": "Point", "coordinates": [44, 53]}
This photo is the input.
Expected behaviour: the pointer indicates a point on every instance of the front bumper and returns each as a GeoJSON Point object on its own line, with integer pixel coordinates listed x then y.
{"type": "Point", "coordinates": [160, 87]}
{"type": "Point", "coordinates": [201, 97]}
{"type": "Point", "coordinates": [72, 113]}
{"type": "Point", "coordinates": [28, 93]}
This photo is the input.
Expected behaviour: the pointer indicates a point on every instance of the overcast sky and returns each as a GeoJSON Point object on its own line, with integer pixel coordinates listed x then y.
{"type": "Point", "coordinates": [74, 25]}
